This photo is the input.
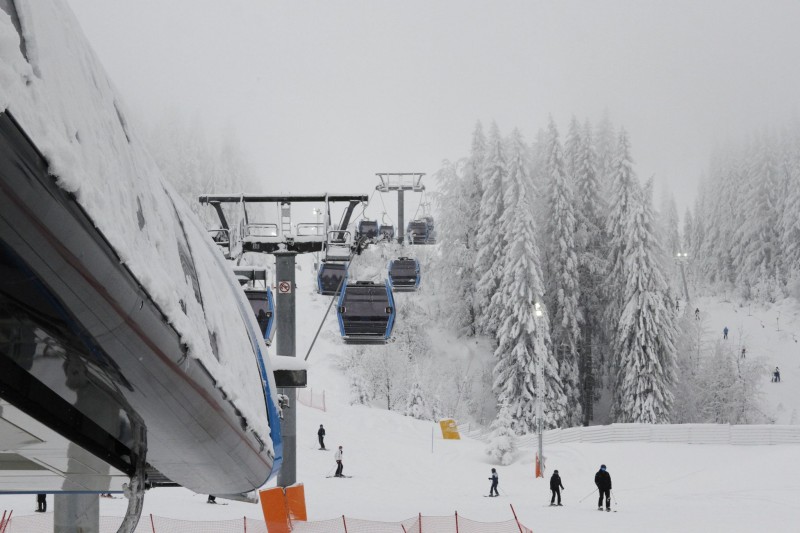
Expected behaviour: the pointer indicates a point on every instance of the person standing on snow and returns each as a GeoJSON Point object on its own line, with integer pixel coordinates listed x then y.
{"type": "Point", "coordinates": [603, 481]}
{"type": "Point", "coordinates": [776, 376]}
{"type": "Point", "coordinates": [321, 437]}
{"type": "Point", "coordinates": [697, 313]}
{"type": "Point", "coordinates": [495, 480]}
{"type": "Point", "coordinates": [725, 333]}
{"type": "Point", "coordinates": [555, 487]}
{"type": "Point", "coordinates": [41, 503]}
{"type": "Point", "coordinates": [339, 465]}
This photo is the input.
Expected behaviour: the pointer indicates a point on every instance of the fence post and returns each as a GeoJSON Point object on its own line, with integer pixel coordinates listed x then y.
{"type": "Point", "coordinates": [152, 524]}
{"type": "Point", "coordinates": [420, 522]}
{"type": "Point", "coordinates": [345, 524]}
{"type": "Point", "coordinates": [245, 524]}
{"type": "Point", "coordinates": [456, 521]}
{"type": "Point", "coordinates": [515, 517]}
{"type": "Point", "coordinates": [8, 520]}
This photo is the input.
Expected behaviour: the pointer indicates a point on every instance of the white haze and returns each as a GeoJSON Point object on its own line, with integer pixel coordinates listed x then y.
{"type": "Point", "coordinates": [324, 94]}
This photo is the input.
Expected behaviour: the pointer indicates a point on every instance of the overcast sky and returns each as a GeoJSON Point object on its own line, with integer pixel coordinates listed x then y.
{"type": "Point", "coordinates": [324, 94]}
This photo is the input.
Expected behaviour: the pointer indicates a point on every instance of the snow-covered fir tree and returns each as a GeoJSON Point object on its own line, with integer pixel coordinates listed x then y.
{"type": "Point", "coordinates": [490, 241]}
{"type": "Point", "coordinates": [501, 444]}
{"type": "Point", "coordinates": [523, 339]}
{"type": "Point", "coordinates": [646, 334]}
{"type": "Point", "coordinates": [563, 283]}
{"type": "Point", "coordinates": [416, 406]}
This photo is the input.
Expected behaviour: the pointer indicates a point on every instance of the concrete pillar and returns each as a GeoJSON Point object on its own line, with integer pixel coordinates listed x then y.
{"type": "Point", "coordinates": [77, 513]}
{"type": "Point", "coordinates": [286, 345]}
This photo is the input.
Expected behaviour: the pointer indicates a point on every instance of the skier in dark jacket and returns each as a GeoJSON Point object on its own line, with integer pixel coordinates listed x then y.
{"type": "Point", "coordinates": [603, 481]}
{"type": "Point", "coordinates": [494, 479]}
{"type": "Point", "coordinates": [321, 437]}
{"type": "Point", "coordinates": [555, 487]}
{"type": "Point", "coordinates": [41, 503]}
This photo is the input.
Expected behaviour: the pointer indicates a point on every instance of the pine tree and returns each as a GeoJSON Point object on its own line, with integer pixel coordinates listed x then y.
{"type": "Point", "coordinates": [605, 147]}
{"type": "Point", "coordinates": [572, 149]}
{"type": "Point", "coordinates": [522, 337]}
{"type": "Point", "coordinates": [645, 339]}
{"type": "Point", "coordinates": [502, 441]}
{"type": "Point", "coordinates": [563, 290]}
{"type": "Point", "coordinates": [416, 407]}
{"type": "Point", "coordinates": [490, 241]}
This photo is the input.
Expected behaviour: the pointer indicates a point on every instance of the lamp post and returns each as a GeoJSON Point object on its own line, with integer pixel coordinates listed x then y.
{"type": "Point", "coordinates": [682, 258]}
{"type": "Point", "coordinates": [539, 392]}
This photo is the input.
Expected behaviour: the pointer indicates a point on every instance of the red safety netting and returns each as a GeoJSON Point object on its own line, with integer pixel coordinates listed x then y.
{"type": "Point", "coordinates": [418, 524]}
{"type": "Point", "coordinates": [43, 523]}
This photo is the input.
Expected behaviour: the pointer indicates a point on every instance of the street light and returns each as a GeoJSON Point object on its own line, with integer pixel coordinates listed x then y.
{"type": "Point", "coordinates": [537, 311]}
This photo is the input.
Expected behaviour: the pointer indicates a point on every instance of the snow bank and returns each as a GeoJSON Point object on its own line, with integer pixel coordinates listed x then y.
{"type": "Point", "coordinates": [65, 103]}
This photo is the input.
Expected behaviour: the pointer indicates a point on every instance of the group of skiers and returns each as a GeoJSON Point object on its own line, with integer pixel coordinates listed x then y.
{"type": "Point", "coordinates": [337, 456]}
{"type": "Point", "coordinates": [602, 480]}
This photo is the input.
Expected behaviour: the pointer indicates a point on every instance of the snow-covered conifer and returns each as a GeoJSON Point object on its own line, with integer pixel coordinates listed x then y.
{"type": "Point", "coordinates": [523, 338]}
{"type": "Point", "coordinates": [646, 334]}
{"type": "Point", "coordinates": [490, 241]}
{"type": "Point", "coordinates": [502, 441]}
{"type": "Point", "coordinates": [416, 406]}
{"type": "Point", "coordinates": [563, 284]}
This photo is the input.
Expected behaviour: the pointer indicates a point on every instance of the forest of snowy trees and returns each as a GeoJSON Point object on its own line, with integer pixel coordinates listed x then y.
{"type": "Point", "coordinates": [743, 235]}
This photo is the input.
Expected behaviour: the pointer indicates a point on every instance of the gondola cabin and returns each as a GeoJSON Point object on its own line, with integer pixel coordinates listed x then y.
{"type": "Point", "coordinates": [366, 312]}
{"type": "Point", "coordinates": [254, 283]}
{"type": "Point", "coordinates": [417, 232]}
{"type": "Point", "coordinates": [368, 229]}
{"type": "Point", "coordinates": [331, 278]}
{"type": "Point", "coordinates": [387, 232]}
{"type": "Point", "coordinates": [403, 274]}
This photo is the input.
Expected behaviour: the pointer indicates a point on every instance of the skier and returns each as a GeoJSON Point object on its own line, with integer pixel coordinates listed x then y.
{"type": "Point", "coordinates": [555, 487]}
{"type": "Point", "coordinates": [321, 436]}
{"type": "Point", "coordinates": [494, 479]}
{"type": "Point", "coordinates": [603, 481]}
{"type": "Point", "coordinates": [41, 503]}
{"type": "Point", "coordinates": [743, 352]}
{"type": "Point", "coordinates": [211, 499]}
{"type": "Point", "coordinates": [697, 313]}
{"type": "Point", "coordinates": [339, 465]}
{"type": "Point", "coordinates": [725, 332]}
{"type": "Point", "coordinates": [776, 376]}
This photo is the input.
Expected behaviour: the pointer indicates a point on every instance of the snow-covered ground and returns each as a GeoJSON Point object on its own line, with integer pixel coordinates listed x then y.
{"type": "Point", "coordinates": [401, 466]}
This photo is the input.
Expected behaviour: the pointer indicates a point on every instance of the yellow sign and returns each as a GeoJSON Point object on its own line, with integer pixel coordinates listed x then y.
{"type": "Point", "coordinates": [449, 429]}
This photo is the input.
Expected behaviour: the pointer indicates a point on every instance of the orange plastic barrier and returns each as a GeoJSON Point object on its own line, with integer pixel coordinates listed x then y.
{"type": "Point", "coordinates": [273, 504]}
{"type": "Point", "coordinates": [449, 429]}
{"type": "Point", "coordinates": [296, 502]}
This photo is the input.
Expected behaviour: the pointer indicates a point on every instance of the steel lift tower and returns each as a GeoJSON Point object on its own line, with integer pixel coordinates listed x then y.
{"type": "Point", "coordinates": [284, 240]}
{"type": "Point", "coordinates": [400, 182]}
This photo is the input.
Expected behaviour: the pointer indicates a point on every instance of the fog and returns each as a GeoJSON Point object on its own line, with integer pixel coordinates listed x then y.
{"type": "Point", "coordinates": [324, 94]}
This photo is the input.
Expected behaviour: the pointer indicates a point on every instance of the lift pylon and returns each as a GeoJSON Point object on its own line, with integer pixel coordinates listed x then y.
{"type": "Point", "coordinates": [400, 182]}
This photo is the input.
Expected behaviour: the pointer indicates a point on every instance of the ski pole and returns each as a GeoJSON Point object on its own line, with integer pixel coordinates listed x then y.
{"type": "Point", "coordinates": [593, 491]}
{"type": "Point", "coordinates": [614, 498]}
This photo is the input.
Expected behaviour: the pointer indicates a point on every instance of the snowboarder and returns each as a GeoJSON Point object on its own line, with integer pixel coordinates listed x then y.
{"type": "Point", "coordinates": [776, 376]}
{"type": "Point", "coordinates": [555, 487]}
{"type": "Point", "coordinates": [211, 499]}
{"type": "Point", "coordinates": [339, 465]}
{"type": "Point", "coordinates": [725, 332]}
{"type": "Point", "coordinates": [603, 481]}
{"type": "Point", "coordinates": [41, 503]}
{"type": "Point", "coordinates": [494, 479]}
{"type": "Point", "coordinates": [321, 436]}
{"type": "Point", "coordinates": [697, 313]}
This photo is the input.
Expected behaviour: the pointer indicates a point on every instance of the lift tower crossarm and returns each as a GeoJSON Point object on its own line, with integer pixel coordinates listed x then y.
{"type": "Point", "coordinates": [395, 182]}
{"type": "Point", "coordinates": [254, 198]}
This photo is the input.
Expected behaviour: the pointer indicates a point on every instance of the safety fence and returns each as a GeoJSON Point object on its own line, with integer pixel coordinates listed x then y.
{"type": "Point", "coordinates": [763, 434]}
{"type": "Point", "coordinates": [310, 398]}
{"type": "Point", "coordinates": [43, 523]}
{"type": "Point", "coordinates": [417, 524]}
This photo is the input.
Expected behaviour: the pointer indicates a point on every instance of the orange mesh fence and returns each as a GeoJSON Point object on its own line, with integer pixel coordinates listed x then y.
{"type": "Point", "coordinates": [43, 523]}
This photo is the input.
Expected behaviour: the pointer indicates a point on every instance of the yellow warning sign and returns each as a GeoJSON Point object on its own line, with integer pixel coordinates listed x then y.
{"type": "Point", "coordinates": [449, 429]}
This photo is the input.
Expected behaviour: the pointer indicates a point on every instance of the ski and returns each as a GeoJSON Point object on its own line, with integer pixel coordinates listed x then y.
{"type": "Point", "coordinates": [338, 476]}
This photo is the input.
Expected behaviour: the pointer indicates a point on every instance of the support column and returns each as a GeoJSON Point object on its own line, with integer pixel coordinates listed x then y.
{"type": "Point", "coordinates": [76, 513]}
{"type": "Point", "coordinates": [401, 215]}
{"type": "Point", "coordinates": [286, 346]}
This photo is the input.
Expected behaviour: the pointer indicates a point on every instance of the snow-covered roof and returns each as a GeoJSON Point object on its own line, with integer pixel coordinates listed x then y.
{"type": "Point", "coordinates": [62, 98]}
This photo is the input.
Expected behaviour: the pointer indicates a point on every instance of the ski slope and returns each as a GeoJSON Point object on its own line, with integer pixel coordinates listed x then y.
{"type": "Point", "coordinates": [399, 470]}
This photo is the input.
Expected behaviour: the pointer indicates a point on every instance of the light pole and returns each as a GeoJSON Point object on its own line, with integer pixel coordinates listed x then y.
{"type": "Point", "coordinates": [539, 392]}
{"type": "Point", "coordinates": [682, 259]}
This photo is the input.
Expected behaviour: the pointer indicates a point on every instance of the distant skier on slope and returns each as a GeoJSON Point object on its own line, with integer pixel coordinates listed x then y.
{"type": "Point", "coordinates": [321, 437]}
{"type": "Point", "coordinates": [725, 333]}
{"type": "Point", "coordinates": [744, 350]}
{"type": "Point", "coordinates": [776, 376]}
{"type": "Point", "coordinates": [339, 465]}
{"type": "Point", "coordinates": [603, 481]}
{"type": "Point", "coordinates": [697, 313]}
{"type": "Point", "coordinates": [555, 487]}
{"type": "Point", "coordinates": [495, 480]}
